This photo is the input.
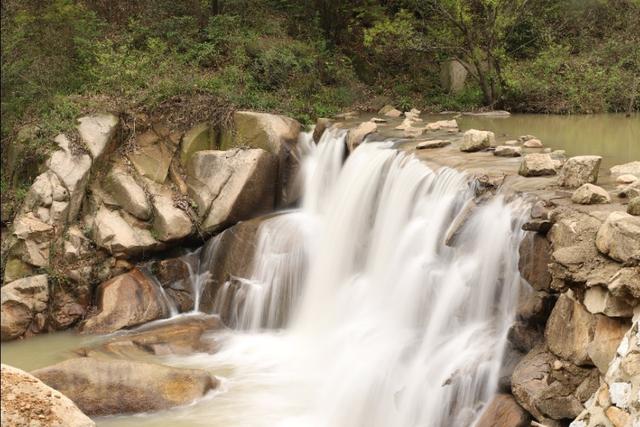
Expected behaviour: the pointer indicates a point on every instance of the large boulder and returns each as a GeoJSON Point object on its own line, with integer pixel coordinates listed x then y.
{"type": "Point", "coordinates": [356, 135]}
{"type": "Point", "coordinates": [152, 156]}
{"type": "Point", "coordinates": [127, 300]}
{"type": "Point", "coordinates": [631, 168]}
{"type": "Point", "coordinates": [534, 260]}
{"type": "Point", "coordinates": [390, 111]}
{"type": "Point", "coordinates": [230, 186]}
{"type": "Point", "coordinates": [580, 170]}
{"type": "Point", "coordinates": [73, 170]}
{"type": "Point", "coordinates": [127, 193]}
{"type": "Point", "coordinates": [23, 304]}
{"type": "Point", "coordinates": [277, 135]}
{"type": "Point", "coordinates": [537, 164]}
{"type": "Point", "coordinates": [106, 387]}
{"type": "Point", "coordinates": [634, 206]}
{"type": "Point", "coordinates": [503, 411]}
{"type": "Point", "coordinates": [97, 131]}
{"type": "Point", "coordinates": [619, 236]}
{"type": "Point", "coordinates": [113, 233]}
{"type": "Point", "coordinates": [27, 401]}
{"type": "Point", "coordinates": [476, 140]}
{"type": "Point", "coordinates": [549, 388]}
{"type": "Point", "coordinates": [589, 194]}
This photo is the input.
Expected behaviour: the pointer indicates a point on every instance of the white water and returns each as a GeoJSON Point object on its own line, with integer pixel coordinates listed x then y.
{"type": "Point", "coordinates": [379, 324]}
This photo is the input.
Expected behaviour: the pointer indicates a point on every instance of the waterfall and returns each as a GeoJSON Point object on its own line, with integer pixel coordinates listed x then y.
{"type": "Point", "coordinates": [356, 313]}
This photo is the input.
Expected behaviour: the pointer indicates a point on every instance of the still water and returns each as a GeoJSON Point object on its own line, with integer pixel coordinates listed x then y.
{"type": "Point", "coordinates": [613, 136]}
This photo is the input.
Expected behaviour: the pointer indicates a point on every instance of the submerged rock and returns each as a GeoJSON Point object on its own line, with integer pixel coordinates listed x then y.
{"type": "Point", "coordinates": [537, 164]}
{"type": "Point", "coordinates": [107, 387]}
{"type": "Point", "coordinates": [27, 401]}
{"type": "Point", "coordinates": [476, 140]}
{"type": "Point", "coordinates": [589, 194]}
{"type": "Point", "coordinates": [124, 301]}
{"type": "Point", "coordinates": [230, 186]}
{"type": "Point", "coordinates": [619, 237]}
{"type": "Point", "coordinates": [23, 302]}
{"type": "Point", "coordinates": [631, 168]}
{"type": "Point", "coordinates": [580, 170]}
{"type": "Point", "coordinates": [533, 143]}
{"type": "Point", "coordinates": [436, 143]}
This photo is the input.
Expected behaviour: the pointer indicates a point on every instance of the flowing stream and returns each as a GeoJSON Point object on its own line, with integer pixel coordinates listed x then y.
{"type": "Point", "coordinates": [356, 314]}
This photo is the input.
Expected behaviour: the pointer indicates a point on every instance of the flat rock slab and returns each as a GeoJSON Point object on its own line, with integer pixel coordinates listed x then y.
{"type": "Point", "coordinates": [436, 143]}
{"type": "Point", "coordinates": [107, 387]}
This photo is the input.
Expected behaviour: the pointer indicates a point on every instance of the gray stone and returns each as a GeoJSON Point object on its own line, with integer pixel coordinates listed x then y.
{"type": "Point", "coordinates": [152, 156]}
{"type": "Point", "coordinates": [476, 140]}
{"type": "Point", "coordinates": [436, 143]}
{"type": "Point", "coordinates": [230, 186]}
{"type": "Point", "coordinates": [507, 151]}
{"type": "Point", "coordinates": [169, 222]}
{"type": "Point", "coordinates": [634, 206]}
{"type": "Point", "coordinates": [113, 233]}
{"type": "Point", "coordinates": [22, 300]}
{"type": "Point", "coordinates": [127, 193]}
{"type": "Point", "coordinates": [619, 236]}
{"type": "Point", "coordinates": [580, 170]}
{"type": "Point", "coordinates": [589, 194]}
{"type": "Point", "coordinates": [537, 164]}
{"type": "Point", "coordinates": [73, 170]}
{"type": "Point", "coordinates": [97, 131]}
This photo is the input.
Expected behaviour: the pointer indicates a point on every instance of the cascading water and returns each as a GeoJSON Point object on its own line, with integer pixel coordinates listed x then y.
{"type": "Point", "coordinates": [356, 313]}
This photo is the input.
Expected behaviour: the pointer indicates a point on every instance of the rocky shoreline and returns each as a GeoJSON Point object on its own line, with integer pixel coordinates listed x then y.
{"type": "Point", "coordinates": [89, 250]}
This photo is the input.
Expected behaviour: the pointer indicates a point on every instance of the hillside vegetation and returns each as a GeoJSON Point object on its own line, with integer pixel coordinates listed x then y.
{"type": "Point", "coordinates": [197, 59]}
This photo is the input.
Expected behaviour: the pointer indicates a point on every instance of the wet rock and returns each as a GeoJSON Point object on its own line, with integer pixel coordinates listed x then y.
{"type": "Point", "coordinates": [124, 301]}
{"type": "Point", "coordinates": [537, 164]}
{"type": "Point", "coordinates": [200, 137]}
{"type": "Point", "coordinates": [357, 135]}
{"type": "Point", "coordinates": [535, 257]}
{"type": "Point", "coordinates": [507, 151]}
{"type": "Point", "coordinates": [589, 194]}
{"type": "Point", "coordinates": [569, 330]}
{"type": "Point", "coordinates": [525, 336]}
{"type": "Point", "coordinates": [476, 140]}
{"type": "Point", "coordinates": [107, 387]}
{"type": "Point", "coordinates": [619, 236]}
{"type": "Point", "coordinates": [390, 111]}
{"type": "Point", "coordinates": [22, 301]}
{"type": "Point", "coordinates": [113, 233]}
{"type": "Point", "coordinates": [169, 222]}
{"type": "Point", "coordinates": [540, 226]}
{"type": "Point", "coordinates": [27, 401]}
{"type": "Point", "coordinates": [277, 135]}
{"type": "Point", "coordinates": [458, 223]}
{"type": "Point", "coordinates": [535, 307]}
{"type": "Point", "coordinates": [435, 143]}
{"type": "Point", "coordinates": [634, 206]}
{"type": "Point", "coordinates": [533, 143]}
{"type": "Point", "coordinates": [97, 131]}
{"type": "Point", "coordinates": [503, 411]}
{"type": "Point", "coordinates": [127, 193]}
{"type": "Point", "coordinates": [548, 388]}
{"type": "Point", "coordinates": [631, 168]}
{"type": "Point", "coordinates": [558, 157]}
{"type": "Point", "coordinates": [230, 186]}
{"type": "Point", "coordinates": [322, 124]}
{"type": "Point", "coordinates": [73, 170]}
{"type": "Point", "coordinates": [182, 336]}
{"type": "Point", "coordinates": [152, 156]}
{"type": "Point", "coordinates": [580, 170]}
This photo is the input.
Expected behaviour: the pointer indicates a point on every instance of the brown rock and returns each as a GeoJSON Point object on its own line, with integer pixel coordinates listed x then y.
{"type": "Point", "coordinates": [106, 387]}
{"type": "Point", "coordinates": [124, 301]}
{"type": "Point", "coordinates": [22, 301]}
{"type": "Point", "coordinates": [535, 257]}
{"type": "Point", "coordinates": [569, 330]}
{"type": "Point", "coordinates": [503, 411]}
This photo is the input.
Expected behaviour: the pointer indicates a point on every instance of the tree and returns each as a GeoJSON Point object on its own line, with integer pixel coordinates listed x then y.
{"type": "Point", "coordinates": [474, 32]}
